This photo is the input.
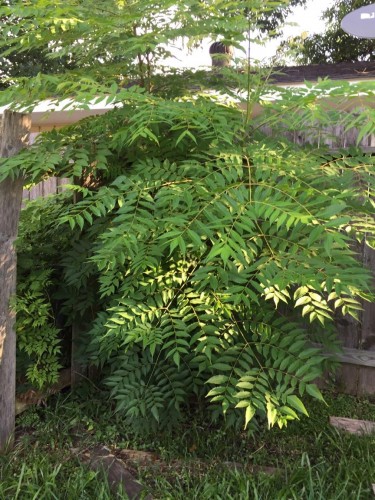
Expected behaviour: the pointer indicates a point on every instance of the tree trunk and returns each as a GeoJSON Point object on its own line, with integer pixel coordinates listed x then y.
{"type": "Point", "coordinates": [14, 136]}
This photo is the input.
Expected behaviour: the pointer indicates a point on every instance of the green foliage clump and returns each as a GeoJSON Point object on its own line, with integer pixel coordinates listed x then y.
{"type": "Point", "coordinates": [217, 258]}
{"type": "Point", "coordinates": [38, 337]}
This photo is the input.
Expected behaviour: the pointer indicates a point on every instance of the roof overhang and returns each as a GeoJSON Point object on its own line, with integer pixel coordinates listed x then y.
{"type": "Point", "coordinates": [47, 115]}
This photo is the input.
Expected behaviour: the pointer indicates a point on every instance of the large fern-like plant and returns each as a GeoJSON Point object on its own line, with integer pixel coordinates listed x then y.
{"type": "Point", "coordinates": [206, 258]}
{"type": "Point", "coordinates": [221, 257]}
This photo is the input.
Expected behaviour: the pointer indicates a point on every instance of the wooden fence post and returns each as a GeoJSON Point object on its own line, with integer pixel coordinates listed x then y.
{"type": "Point", "coordinates": [14, 137]}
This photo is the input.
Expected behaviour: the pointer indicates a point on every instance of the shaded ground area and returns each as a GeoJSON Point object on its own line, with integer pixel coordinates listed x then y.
{"type": "Point", "coordinates": [57, 445]}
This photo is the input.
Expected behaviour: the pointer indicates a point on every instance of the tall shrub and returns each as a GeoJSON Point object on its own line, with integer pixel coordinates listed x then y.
{"type": "Point", "coordinates": [210, 256]}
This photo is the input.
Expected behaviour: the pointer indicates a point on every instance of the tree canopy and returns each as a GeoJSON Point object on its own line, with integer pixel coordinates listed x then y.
{"type": "Point", "coordinates": [37, 58]}
{"type": "Point", "coordinates": [26, 63]}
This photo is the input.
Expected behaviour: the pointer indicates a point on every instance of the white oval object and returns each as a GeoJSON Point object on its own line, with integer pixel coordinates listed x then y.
{"type": "Point", "coordinates": [360, 22]}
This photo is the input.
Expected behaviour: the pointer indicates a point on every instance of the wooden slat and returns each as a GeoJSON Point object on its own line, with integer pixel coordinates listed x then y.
{"type": "Point", "coordinates": [366, 380]}
{"type": "Point", "coordinates": [53, 185]}
{"type": "Point", "coordinates": [61, 182]}
{"type": "Point", "coordinates": [347, 378]}
{"type": "Point", "coordinates": [36, 191]}
{"type": "Point", "coordinates": [357, 357]}
{"type": "Point", "coordinates": [25, 195]}
{"type": "Point", "coordinates": [50, 186]}
{"type": "Point", "coordinates": [368, 313]}
{"type": "Point", "coordinates": [364, 149]}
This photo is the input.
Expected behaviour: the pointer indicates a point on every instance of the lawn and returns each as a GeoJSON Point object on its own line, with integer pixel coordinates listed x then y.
{"type": "Point", "coordinates": [197, 460]}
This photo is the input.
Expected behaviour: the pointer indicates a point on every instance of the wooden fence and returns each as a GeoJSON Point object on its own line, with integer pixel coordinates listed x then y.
{"type": "Point", "coordinates": [53, 185]}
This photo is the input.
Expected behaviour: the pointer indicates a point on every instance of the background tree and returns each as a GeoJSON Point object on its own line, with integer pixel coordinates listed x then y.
{"type": "Point", "coordinates": [29, 62]}
{"type": "Point", "coordinates": [272, 22]}
{"type": "Point", "coordinates": [333, 45]}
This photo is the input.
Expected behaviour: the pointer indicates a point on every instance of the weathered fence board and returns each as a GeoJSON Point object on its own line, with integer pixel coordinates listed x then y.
{"type": "Point", "coordinates": [358, 357]}
{"type": "Point", "coordinates": [15, 131]}
{"type": "Point", "coordinates": [53, 185]}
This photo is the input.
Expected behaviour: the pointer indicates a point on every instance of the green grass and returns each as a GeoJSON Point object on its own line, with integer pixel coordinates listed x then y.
{"type": "Point", "coordinates": [313, 460]}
